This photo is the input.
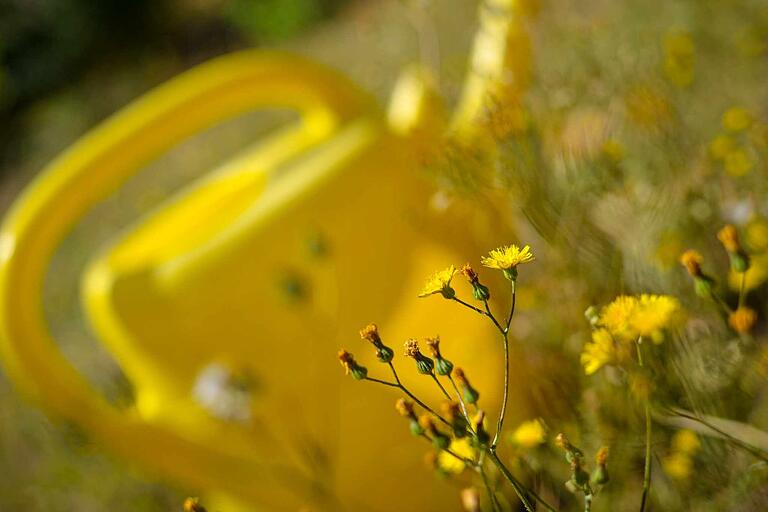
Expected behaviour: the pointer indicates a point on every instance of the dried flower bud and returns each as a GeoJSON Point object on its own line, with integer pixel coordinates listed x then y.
{"type": "Point", "coordinates": [439, 440]}
{"type": "Point", "coordinates": [470, 394]}
{"type": "Point", "coordinates": [478, 422]}
{"type": "Point", "coordinates": [193, 505]}
{"type": "Point", "coordinates": [479, 291]}
{"type": "Point", "coordinates": [470, 499]}
{"type": "Point", "coordinates": [442, 365]}
{"type": "Point", "coordinates": [452, 413]}
{"type": "Point", "coordinates": [351, 366]}
{"type": "Point", "coordinates": [729, 237]}
{"type": "Point", "coordinates": [424, 364]}
{"type": "Point", "coordinates": [600, 474]}
{"type": "Point", "coordinates": [572, 454]}
{"type": "Point", "coordinates": [692, 261]}
{"type": "Point", "coordinates": [371, 333]}
{"type": "Point", "coordinates": [742, 319]}
{"type": "Point", "coordinates": [405, 408]}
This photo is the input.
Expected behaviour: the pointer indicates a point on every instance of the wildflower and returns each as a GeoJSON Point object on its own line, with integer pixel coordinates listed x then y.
{"type": "Point", "coordinates": [692, 261]}
{"type": "Point", "coordinates": [371, 333]}
{"type": "Point", "coordinates": [507, 258]}
{"type": "Point", "coordinates": [461, 447]}
{"type": "Point", "coordinates": [679, 61]}
{"type": "Point", "coordinates": [721, 146]}
{"type": "Point", "coordinates": [470, 499]}
{"type": "Point", "coordinates": [442, 365]}
{"type": "Point", "coordinates": [616, 316]}
{"type": "Point", "coordinates": [599, 352]}
{"type": "Point", "coordinates": [423, 363]}
{"type": "Point", "coordinates": [470, 394]}
{"type": "Point", "coordinates": [440, 440]}
{"type": "Point", "coordinates": [479, 291]}
{"type": "Point", "coordinates": [756, 234]}
{"type": "Point", "coordinates": [478, 423]}
{"type": "Point", "coordinates": [702, 283]}
{"type": "Point", "coordinates": [742, 319]}
{"type": "Point", "coordinates": [351, 366]}
{"type": "Point", "coordinates": [737, 163]}
{"type": "Point", "coordinates": [440, 282]}
{"type": "Point", "coordinates": [686, 441]}
{"type": "Point", "coordinates": [193, 505]}
{"type": "Point", "coordinates": [529, 434]}
{"type": "Point", "coordinates": [600, 474]}
{"type": "Point", "coordinates": [654, 313]}
{"type": "Point", "coordinates": [452, 414]}
{"type": "Point", "coordinates": [736, 119]}
{"type": "Point", "coordinates": [405, 408]}
{"type": "Point", "coordinates": [729, 237]}
{"type": "Point", "coordinates": [679, 463]}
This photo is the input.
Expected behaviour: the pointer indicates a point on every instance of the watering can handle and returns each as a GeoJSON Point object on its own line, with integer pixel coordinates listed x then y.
{"type": "Point", "coordinates": [88, 172]}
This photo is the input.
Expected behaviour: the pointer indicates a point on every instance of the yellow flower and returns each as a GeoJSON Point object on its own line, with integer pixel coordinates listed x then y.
{"type": "Point", "coordinates": [654, 313]}
{"type": "Point", "coordinates": [742, 320]}
{"type": "Point", "coordinates": [686, 441]}
{"type": "Point", "coordinates": [736, 119]}
{"type": "Point", "coordinates": [756, 234]}
{"type": "Point", "coordinates": [677, 466]}
{"type": "Point", "coordinates": [461, 447]}
{"type": "Point", "coordinates": [738, 163]}
{"type": "Point", "coordinates": [616, 316]}
{"type": "Point", "coordinates": [599, 352]}
{"type": "Point", "coordinates": [721, 146]}
{"type": "Point", "coordinates": [629, 317]}
{"type": "Point", "coordinates": [507, 258]}
{"type": "Point", "coordinates": [529, 434]}
{"type": "Point", "coordinates": [440, 282]}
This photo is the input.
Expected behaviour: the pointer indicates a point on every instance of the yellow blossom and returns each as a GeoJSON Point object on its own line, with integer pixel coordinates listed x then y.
{"type": "Point", "coordinates": [736, 119]}
{"type": "Point", "coordinates": [738, 163]}
{"type": "Point", "coordinates": [742, 319]}
{"type": "Point", "coordinates": [686, 441]}
{"type": "Point", "coordinates": [529, 434]}
{"type": "Point", "coordinates": [616, 316]}
{"type": "Point", "coordinates": [507, 258]}
{"type": "Point", "coordinates": [461, 447]}
{"type": "Point", "coordinates": [654, 313]}
{"type": "Point", "coordinates": [628, 317]}
{"type": "Point", "coordinates": [756, 234]}
{"type": "Point", "coordinates": [599, 352]}
{"type": "Point", "coordinates": [440, 282]}
{"type": "Point", "coordinates": [721, 146]}
{"type": "Point", "coordinates": [677, 466]}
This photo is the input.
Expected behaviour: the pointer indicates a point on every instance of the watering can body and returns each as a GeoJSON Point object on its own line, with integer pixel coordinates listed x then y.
{"type": "Point", "coordinates": [225, 306]}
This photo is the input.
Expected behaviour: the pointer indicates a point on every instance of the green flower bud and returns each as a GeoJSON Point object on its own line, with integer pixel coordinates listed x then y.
{"type": "Point", "coordinates": [739, 261]}
{"type": "Point", "coordinates": [448, 292]}
{"type": "Point", "coordinates": [703, 286]}
{"type": "Point", "coordinates": [480, 292]}
{"type": "Point", "coordinates": [471, 396]}
{"type": "Point", "coordinates": [384, 354]}
{"type": "Point", "coordinates": [416, 429]}
{"type": "Point", "coordinates": [600, 476]}
{"type": "Point", "coordinates": [510, 273]}
{"type": "Point", "coordinates": [443, 366]}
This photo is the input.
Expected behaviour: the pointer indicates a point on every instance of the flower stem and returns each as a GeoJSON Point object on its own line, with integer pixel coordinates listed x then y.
{"type": "Point", "coordinates": [520, 490]}
{"type": "Point", "coordinates": [441, 386]}
{"type": "Point", "coordinates": [489, 490]}
{"type": "Point", "coordinates": [413, 397]}
{"type": "Point", "coordinates": [505, 335]}
{"type": "Point", "coordinates": [648, 434]}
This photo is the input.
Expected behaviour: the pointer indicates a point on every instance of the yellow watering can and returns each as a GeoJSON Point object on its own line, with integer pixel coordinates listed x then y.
{"type": "Point", "coordinates": [225, 306]}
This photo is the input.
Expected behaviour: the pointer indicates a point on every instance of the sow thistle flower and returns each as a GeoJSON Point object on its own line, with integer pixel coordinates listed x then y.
{"type": "Point", "coordinates": [440, 282]}
{"type": "Point", "coordinates": [629, 317]}
{"type": "Point", "coordinates": [507, 258]}
{"type": "Point", "coordinates": [600, 352]}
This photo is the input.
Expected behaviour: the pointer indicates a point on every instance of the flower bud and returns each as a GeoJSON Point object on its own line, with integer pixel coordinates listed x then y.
{"type": "Point", "coordinates": [742, 319]}
{"type": "Point", "coordinates": [452, 414]}
{"type": "Point", "coordinates": [478, 422]}
{"type": "Point", "coordinates": [600, 474]}
{"type": "Point", "coordinates": [351, 366]}
{"type": "Point", "coordinates": [371, 333]}
{"type": "Point", "coordinates": [424, 364]}
{"type": "Point", "coordinates": [729, 237]}
{"type": "Point", "coordinates": [193, 505]}
{"type": "Point", "coordinates": [442, 365]}
{"type": "Point", "coordinates": [470, 394]}
{"type": "Point", "coordinates": [439, 440]}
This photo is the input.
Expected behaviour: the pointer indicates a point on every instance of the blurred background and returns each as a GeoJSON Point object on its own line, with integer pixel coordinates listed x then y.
{"type": "Point", "coordinates": [627, 100]}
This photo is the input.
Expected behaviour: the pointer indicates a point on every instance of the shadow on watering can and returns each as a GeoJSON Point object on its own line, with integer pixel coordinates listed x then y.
{"type": "Point", "coordinates": [225, 306]}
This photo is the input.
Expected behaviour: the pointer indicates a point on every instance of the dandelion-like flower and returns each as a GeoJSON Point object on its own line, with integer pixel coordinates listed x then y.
{"type": "Point", "coordinates": [653, 314]}
{"type": "Point", "coordinates": [440, 282]}
{"type": "Point", "coordinates": [529, 434]}
{"type": "Point", "coordinates": [599, 352]}
{"type": "Point", "coordinates": [615, 317]}
{"type": "Point", "coordinates": [507, 258]}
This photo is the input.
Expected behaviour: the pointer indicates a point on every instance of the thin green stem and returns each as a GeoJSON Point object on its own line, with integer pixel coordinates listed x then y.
{"type": "Point", "coordinates": [648, 434]}
{"type": "Point", "coordinates": [489, 490]}
{"type": "Point", "coordinates": [493, 318]}
{"type": "Point", "coordinates": [448, 396]}
{"type": "Point", "coordinates": [379, 381]}
{"type": "Point", "coordinates": [470, 306]}
{"type": "Point", "coordinates": [512, 308]}
{"type": "Point", "coordinates": [461, 400]}
{"type": "Point", "coordinates": [742, 288]}
{"type": "Point", "coordinates": [520, 490]}
{"type": "Point", "coordinates": [414, 398]}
